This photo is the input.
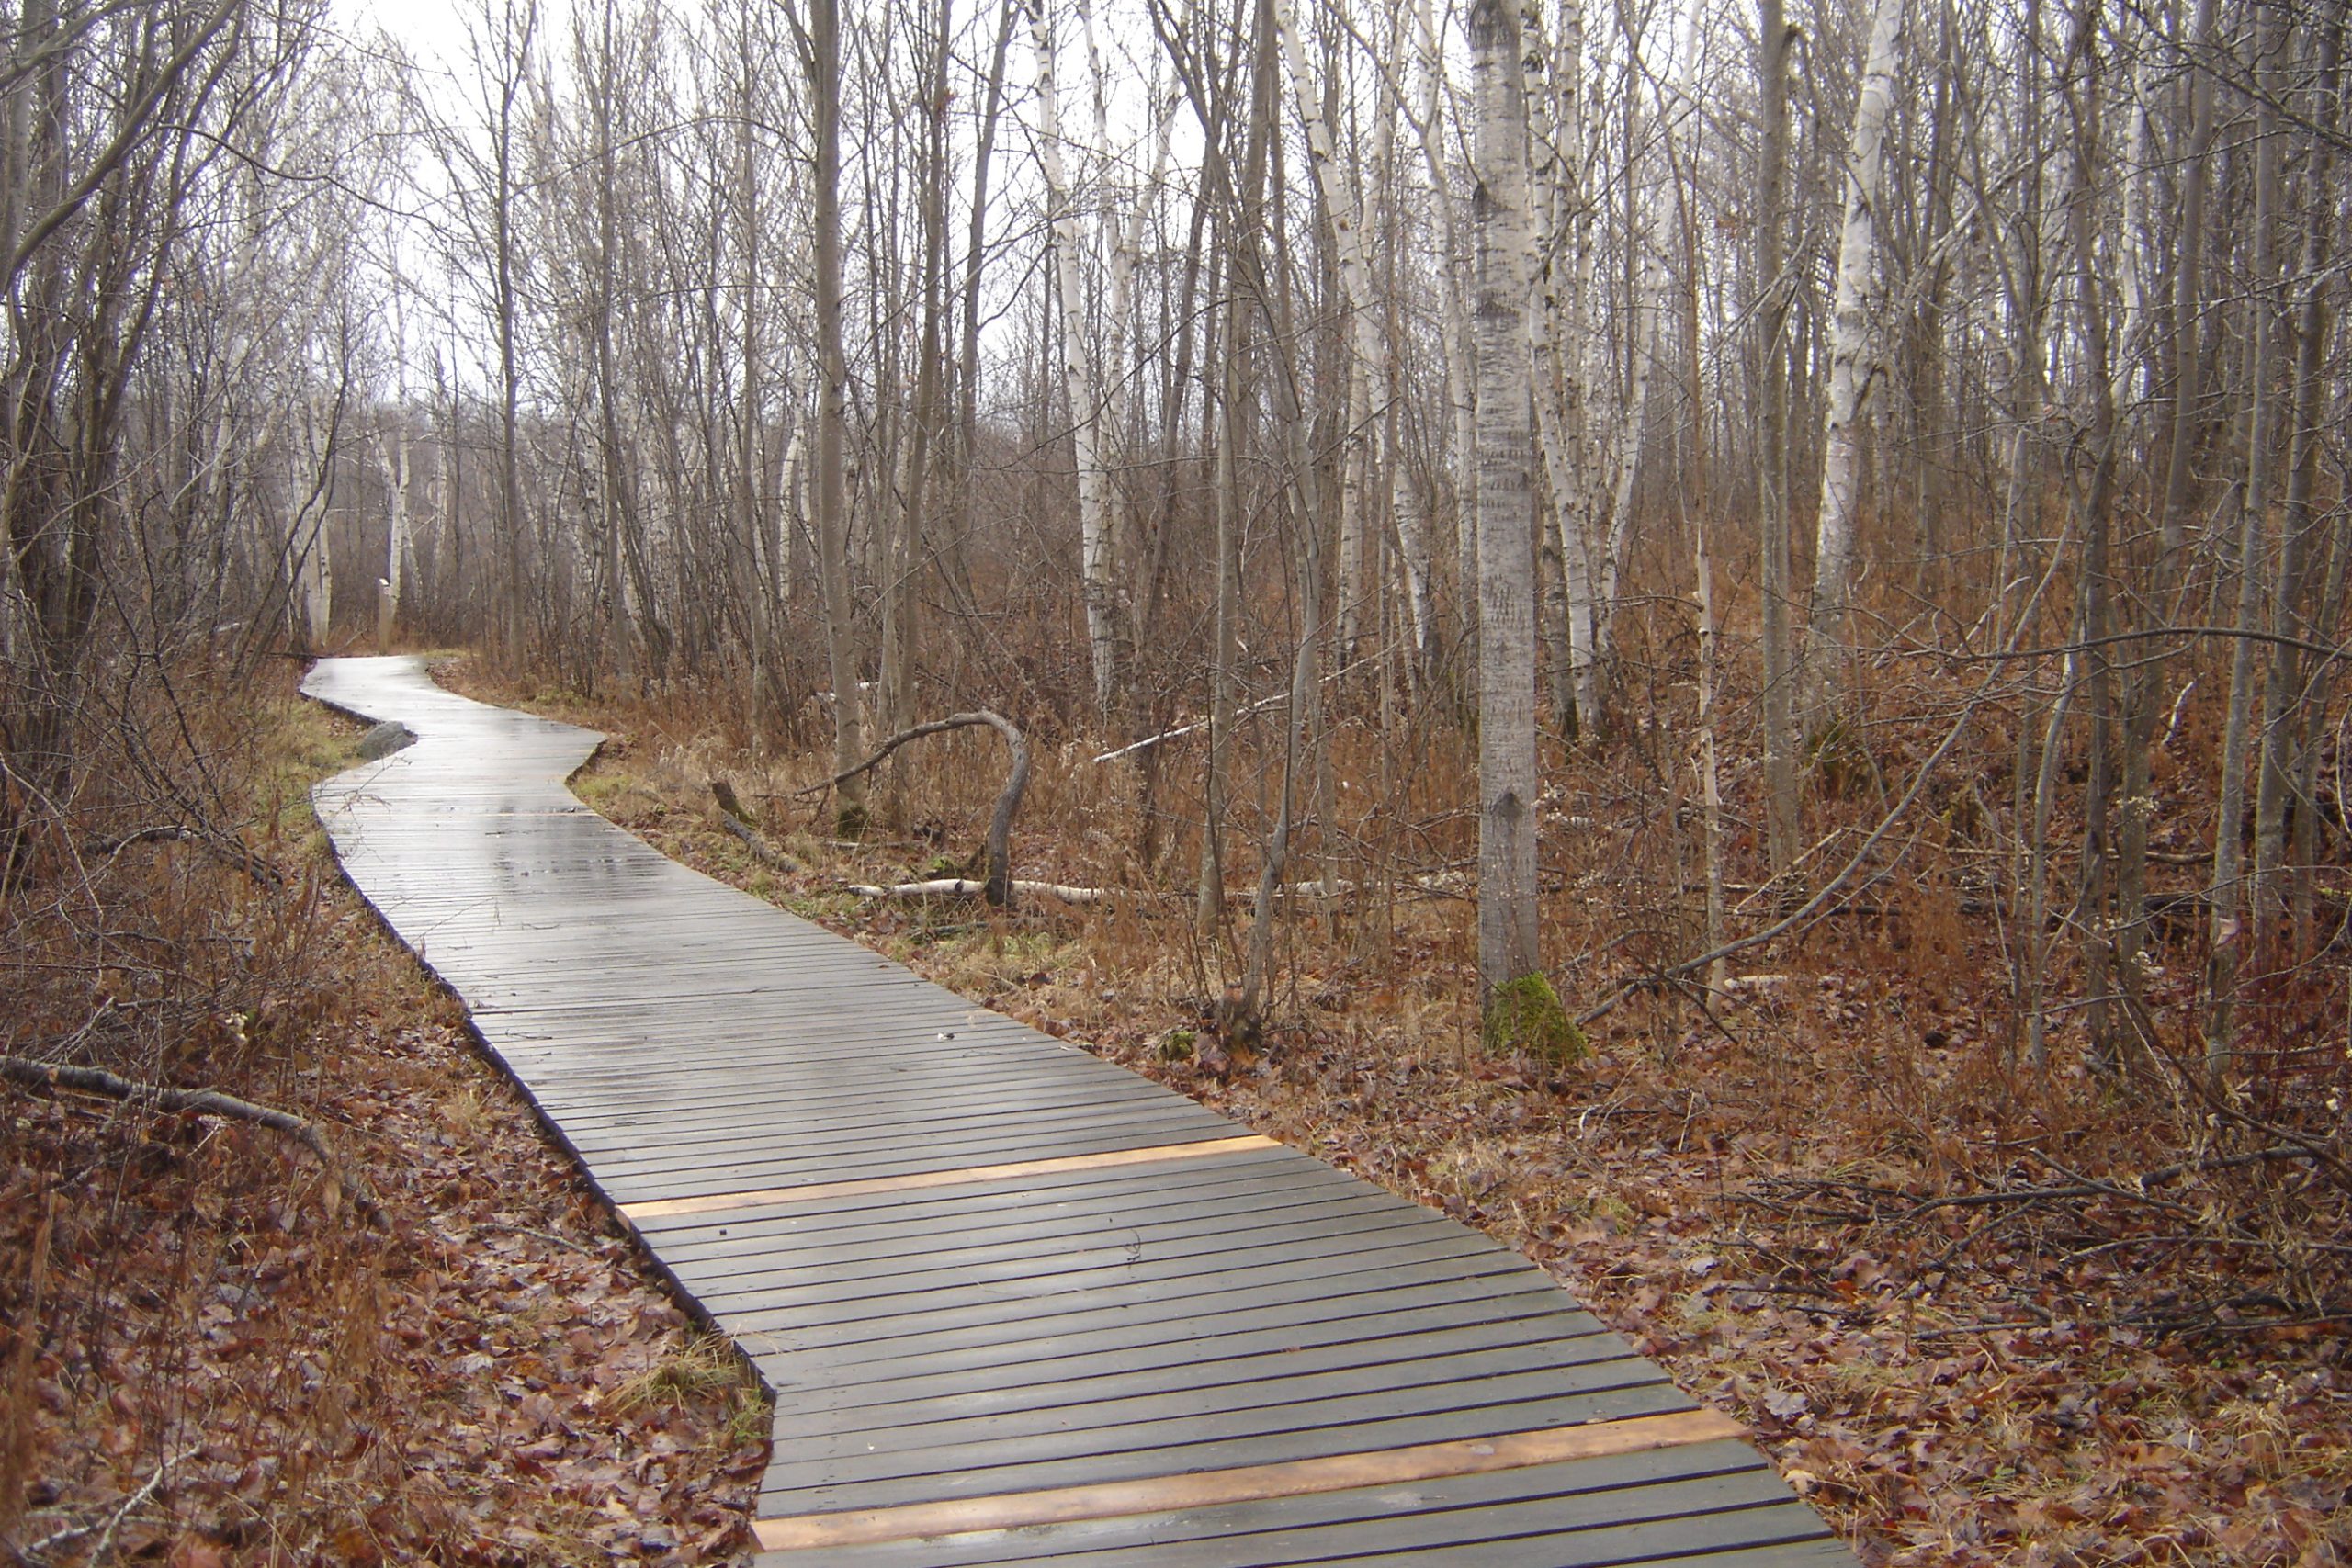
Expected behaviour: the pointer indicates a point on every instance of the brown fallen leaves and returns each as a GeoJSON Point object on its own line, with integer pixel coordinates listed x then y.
{"type": "Point", "coordinates": [1949, 1391]}
{"type": "Point", "coordinates": [488, 1380]}
{"type": "Point", "coordinates": [226, 1366]}
{"type": "Point", "coordinates": [2094, 1380]}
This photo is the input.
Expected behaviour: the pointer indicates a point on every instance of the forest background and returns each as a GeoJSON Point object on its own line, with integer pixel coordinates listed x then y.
{"type": "Point", "coordinates": [1711, 635]}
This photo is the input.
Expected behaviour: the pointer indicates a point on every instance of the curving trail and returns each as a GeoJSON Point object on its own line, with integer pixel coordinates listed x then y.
{"type": "Point", "coordinates": [1017, 1304]}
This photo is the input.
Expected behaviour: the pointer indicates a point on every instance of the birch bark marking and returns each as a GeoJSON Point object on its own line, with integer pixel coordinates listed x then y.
{"type": "Point", "coordinates": [1851, 369]}
{"type": "Point", "coordinates": [1561, 341]}
{"type": "Point", "coordinates": [1368, 371]}
{"type": "Point", "coordinates": [1711, 792]}
{"type": "Point", "coordinates": [1460, 378]}
{"type": "Point", "coordinates": [1507, 939]}
{"type": "Point", "coordinates": [1094, 565]}
{"type": "Point", "coordinates": [391, 457]}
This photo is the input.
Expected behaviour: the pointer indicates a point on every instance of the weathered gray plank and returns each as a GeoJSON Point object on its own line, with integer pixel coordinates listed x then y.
{"type": "Point", "coordinates": [939, 1330]}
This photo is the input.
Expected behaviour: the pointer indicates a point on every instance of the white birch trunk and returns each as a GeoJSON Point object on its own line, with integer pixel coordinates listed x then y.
{"type": "Point", "coordinates": [1627, 459]}
{"type": "Point", "coordinates": [1462, 384]}
{"type": "Point", "coordinates": [393, 461]}
{"type": "Point", "coordinates": [792, 511]}
{"type": "Point", "coordinates": [1563, 398]}
{"type": "Point", "coordinates": [1507, 928]}
{"type": "Point", "coordinates": [1368, 365]}
{"type": "Point", "coordinates": [315, 571]}
{"type": "Point", "coordinates": [1124, 241]}
{"type": "Point", "coordinates": [1094, 565]}
{"type": "Point", "coordinates": [1711, 794]}
{"type": "Point", "coordinates": [1628, 464]}
{"type": "Point", "coordinates": [1850, 368]}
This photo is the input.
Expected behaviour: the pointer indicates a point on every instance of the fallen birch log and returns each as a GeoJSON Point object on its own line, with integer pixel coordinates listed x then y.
{"type": "Point", "coordinates": [1444, 885]}
{"type": "Point", "coordinates": [964, 887]}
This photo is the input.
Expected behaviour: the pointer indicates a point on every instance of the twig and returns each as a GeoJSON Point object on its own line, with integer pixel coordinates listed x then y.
{"type": "Point", "coordinates": [964, 887]}
{"type": "Point", "coordinates": [564, 1241]}
{"type": "Point", "coordinates": [221, 848]}
{"type": "Point", "coordinates": [1277, 700]}
{"type": "Point", "coordinates": [203, 1101]}
{"type": "Point", "coordinates": [112, 1523]}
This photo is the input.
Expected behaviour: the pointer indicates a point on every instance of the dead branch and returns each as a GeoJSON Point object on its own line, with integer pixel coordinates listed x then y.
{"type": "Point", "coordinates": [1277, 700]}
{"type": "Point", "coordinates": [202, 1101]}
{"type": "Point", "coordinates": [109, 1522]}
{"type": "Point", "coordinates": [964, 887]}
{"type": "Point", "coordinates": [227, 850]}
{"type": "Point", "coordinates": [736, 821]}
{"type": "Point", "coordinates": [1876, 1204]}
{"type": "Point", "coordinates": [1436, 887]}
{"type": "Point", "coordinates": [1000, 888]}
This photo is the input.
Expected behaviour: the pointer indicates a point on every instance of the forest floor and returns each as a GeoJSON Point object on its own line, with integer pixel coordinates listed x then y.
{"type": "Point", "coordinates": [241, 1362]}
{"type": "Point", "coordinates": [1962, 1305]}
{"type": "Point", "coordinates": [1941, 1291]}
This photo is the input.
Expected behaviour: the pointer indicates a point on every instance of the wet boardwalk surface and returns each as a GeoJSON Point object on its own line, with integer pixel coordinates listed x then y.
{"type": "Point", "coordinates": [1017, 1304]}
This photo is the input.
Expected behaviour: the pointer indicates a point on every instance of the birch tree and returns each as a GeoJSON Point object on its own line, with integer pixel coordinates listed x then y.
{"type": "Point", "coordinates": [1852, 369]}
{"type": "Point", "coordinates": [1077, 376]}
{"type": "Point", "coordinates": [1507, 826]}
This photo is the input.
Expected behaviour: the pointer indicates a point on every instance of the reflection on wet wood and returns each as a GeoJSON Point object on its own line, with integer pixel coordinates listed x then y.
{"type": "Point", "coordinates": [1018, 1306]}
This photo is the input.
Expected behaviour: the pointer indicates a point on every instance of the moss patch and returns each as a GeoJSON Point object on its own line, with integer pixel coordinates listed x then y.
{"type": "Point", "coordinates": [1526, 1015]}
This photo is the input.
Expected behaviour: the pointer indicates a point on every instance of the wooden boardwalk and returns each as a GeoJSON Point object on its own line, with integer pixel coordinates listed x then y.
{"type": "Point", "coordinates": [1017, 1304]}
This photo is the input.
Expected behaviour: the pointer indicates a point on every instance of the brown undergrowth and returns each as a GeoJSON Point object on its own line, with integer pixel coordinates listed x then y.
{"type": "Point", "coordinates": [212, 1355]}
{"type": "Point", "coordinates": [1980, 1314]}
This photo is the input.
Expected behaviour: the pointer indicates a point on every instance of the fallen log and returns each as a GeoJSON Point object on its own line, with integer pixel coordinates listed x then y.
{"type": "Point", "coordinates": [964, 887]}
{"type": "Point", "coordinates": [736, 821]}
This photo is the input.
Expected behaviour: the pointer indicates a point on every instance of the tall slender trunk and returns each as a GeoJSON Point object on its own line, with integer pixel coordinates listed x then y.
{"type": "Point", "coordinates": [902, 635]}
{"type": "Point", "coordinates": [1711, 794]}
{"type": "Point", "coordinates": [2143, 697]}
{"type": "Point", "coordinates": [1367, 364]}
{"type": "Point", "coordinates": [1774, 291]}
{"type": "Point", "coordinates": [393, 459]}
{"type": "Point", "coordinates": [1079, 379]}
{"type": "Point", "coordinates": [2226, 898]}
{"type": "Point", "coordinates": [2088, 667]}
{"type": "Point", "coordinates": [1456, 333]}
{"type": "Point", "coordinates": [1506, 783]}
{"type": "Point", "coordinates": [967, 357]}
{"type": "Point", "coordinates": [1852, 371]}
{"type": "Point", "coordinates": [2291, 599]}
{"type": "Point", "coordinates": [507, 301]}
{"type": "Point", "coordinates": [832, 396]}
{"type": "Point", "coordinates": [613, 483]}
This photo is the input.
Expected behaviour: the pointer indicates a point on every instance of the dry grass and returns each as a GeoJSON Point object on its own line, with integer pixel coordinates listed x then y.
{"type": "Point", "coordinates": [220, 1361]}
{"type": "Point", "coordinates": [2043, 1382]}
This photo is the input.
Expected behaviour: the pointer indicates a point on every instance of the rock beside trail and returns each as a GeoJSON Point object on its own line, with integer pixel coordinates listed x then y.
{"type": "Point", "coordinates": [384, 739]}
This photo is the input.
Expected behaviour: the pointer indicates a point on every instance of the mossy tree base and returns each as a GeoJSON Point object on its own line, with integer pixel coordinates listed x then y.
{"type": "Point", "coordinates": [1525, 1015]}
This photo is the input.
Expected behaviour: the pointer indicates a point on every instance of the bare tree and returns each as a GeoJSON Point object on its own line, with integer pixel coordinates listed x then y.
{"type": "Point", "coordinates": [1507, 929]}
